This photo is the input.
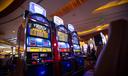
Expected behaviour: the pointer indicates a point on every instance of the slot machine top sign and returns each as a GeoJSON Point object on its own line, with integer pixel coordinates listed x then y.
{"type": "Point", "coordinates": [58, 21]}
{"type": "Point", "coordinates": [71, 28]}
{"type": "Point", "coordinates": [35, 8]}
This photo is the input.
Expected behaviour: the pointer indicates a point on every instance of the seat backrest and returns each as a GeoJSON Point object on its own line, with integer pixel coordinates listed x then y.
{"type": "Point", "coordinates": [113, 59]}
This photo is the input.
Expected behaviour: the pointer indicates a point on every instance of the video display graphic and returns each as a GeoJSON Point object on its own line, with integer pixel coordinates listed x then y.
{"type": "Point", "coordinates": [46, 50]}
{"type": "Point", "coordinates": [36, 29]}
{"type": "Point", "coordinates": [76, 48]}
{"type": "Point", "coordinates": [38, 42]}
{"type": "Point", "coordinates": [63, 47]}
{"type": "Point", "coordinates": [38, 49]}
{"type": "Point", "coordinates": [33, 49]}
{"type": "Point", "coordinates": [62, 36]}
{"type": "Point", "coordinates": [41, 19]}
{"type": "Point", "coordinates": [75, 40]}
{"type": "Point", "coordinates": [31, 41]}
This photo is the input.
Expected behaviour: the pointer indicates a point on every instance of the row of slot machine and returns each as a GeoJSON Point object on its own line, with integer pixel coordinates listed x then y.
{"type": "Point", "coordinates": [94, 43]}
{"type": "Point", "coordinates": [48, 45]}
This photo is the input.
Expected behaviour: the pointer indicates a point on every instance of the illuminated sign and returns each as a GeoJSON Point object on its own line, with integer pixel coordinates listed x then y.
{"type": "Point", "coordinates": [46, 50]}
{"type": "Point", "coordinates": [76, 50]}
{"type": "Point", "coordinates": [33, 49]}
{"type": "Point", "coordinates": [76, 47]}
{"type": "Point", "coordinates": [35, 8]}
{"type": "Point", "coordinates": [37, 49]}
{"type": "Point", "coordinates": [58, 21]}
{"type": "Point", "coordinates": [70, 27]}
{"type": "Point", "coordinates": [62, 36]}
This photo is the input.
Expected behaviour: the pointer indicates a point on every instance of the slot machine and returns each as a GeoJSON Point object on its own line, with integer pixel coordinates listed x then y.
{"type": "Point", "coordinates": [75, 47]}
{"type": "Point", "coordinates": [61, 46]}
{"type": "Point", "coordinates": [99, 41]}
{"type": "Point", "coordinates": [38, 52]}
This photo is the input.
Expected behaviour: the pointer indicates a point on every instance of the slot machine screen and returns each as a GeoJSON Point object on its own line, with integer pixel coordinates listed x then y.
{"type": "Point", "coordinates": [39, 30]}
{"type": "Point", "coordinates": [75, 40]}
{"type": "Point", "coordinates": [46, 43]}
{"type": "Point", "coordinates": [62, 37]}
{"type": "Point", "coordinates": [38, 49]}
{"type": "Point", "coordinates": [63, 47]}
{"type": "Point", "coordinates": [76, 48]}
{"type": "Point", "coordinates": [32, 41]}
{"type": "Point", "coordinates": [38, 45]}
{"type": "Point", "coordinates": [39, 42]}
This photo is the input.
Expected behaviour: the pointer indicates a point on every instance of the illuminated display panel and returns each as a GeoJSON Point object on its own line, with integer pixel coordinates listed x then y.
{"type": "Point", "coordinates": [62, 29]}
{"type": "Point", "coordinates": [70, 27]}
{"type": "Point", "coordinates": [46, 50]}
{"type": "Point", "coordinates": [33, 49]}
{"type": "Point", "coordinates": [39, 18]}
{"type": "Point", "coordinates": [76, 48]}
{"type": "Point", "coordinates": [31, 41]}
{"type": "Point", "coordinates": [75, 38]}
{"type": "Point", "coordinates": [38, 49]}
{"type": "Point", "coordinates": [63, 47]}
{"type": "Point", "coordinates": [35, 29]}
{"type": "Point", "coordinates": [58, 21]}
{"type": "Point", "coordinates": [62, 36]}
{"type": "Point", "coordinates": [35, 8]}
{"type": "Point", "coordinates": [38, 42]}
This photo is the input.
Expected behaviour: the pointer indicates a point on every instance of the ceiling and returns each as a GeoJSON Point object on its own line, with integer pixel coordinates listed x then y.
{"type": "Point", "coordinates": [82, 17]}
{"type": "Point", "coordinates": [8, 6]}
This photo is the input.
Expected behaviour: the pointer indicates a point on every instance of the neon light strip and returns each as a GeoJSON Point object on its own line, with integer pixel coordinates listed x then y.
{"type": "Point", "coordinates": [110, 5]}
{"type": "Point", "coordinates": [98, 28]}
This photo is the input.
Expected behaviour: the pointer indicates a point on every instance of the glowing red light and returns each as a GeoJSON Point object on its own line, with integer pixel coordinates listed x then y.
{"type": "Point", "coordinates": [54, 44]}
{"type": "Point", "coordinates": [34, 62]}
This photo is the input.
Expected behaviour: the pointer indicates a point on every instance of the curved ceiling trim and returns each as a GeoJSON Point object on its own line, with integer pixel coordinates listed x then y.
{"type": "Point", "coordinates": [12, 5]}
{"type": "Point", "coordinates": [110, 5]}
{"type": "Point", "coordinates": [4, 4]}
{"type": "Point", "coordinates": [98, 28]}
